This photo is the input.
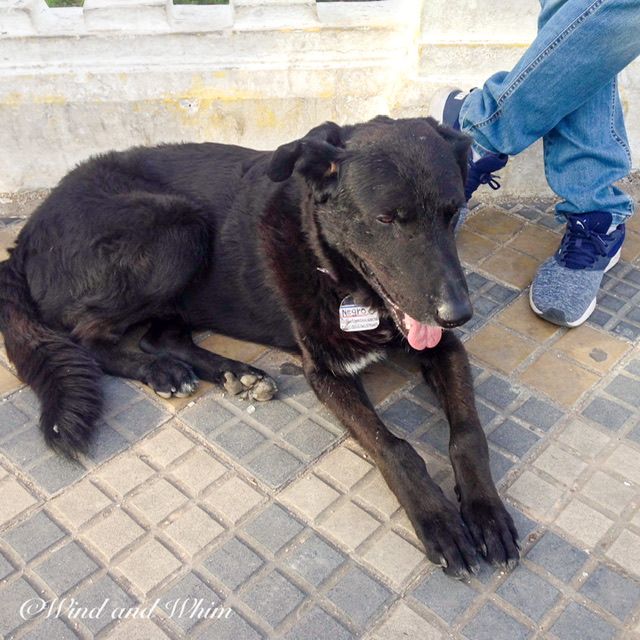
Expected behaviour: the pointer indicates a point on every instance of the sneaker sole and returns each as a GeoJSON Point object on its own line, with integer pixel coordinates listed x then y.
{"type": "Point", "coordinates": [557, 317]}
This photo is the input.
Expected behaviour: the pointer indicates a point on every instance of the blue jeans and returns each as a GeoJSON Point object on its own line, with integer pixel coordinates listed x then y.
{"type": "Point", "coordinates": [564, 90]}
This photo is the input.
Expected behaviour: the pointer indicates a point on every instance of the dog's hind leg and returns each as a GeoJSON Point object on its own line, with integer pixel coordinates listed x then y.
{"type": "Point", "coordinates": [173, 339]}
{"type": "Point", "coordinates": [446, 370]}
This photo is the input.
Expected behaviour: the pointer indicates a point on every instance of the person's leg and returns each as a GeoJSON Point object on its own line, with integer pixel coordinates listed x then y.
{"type": "Point", "coordinates": [564, 91]}
{"type": "Point", "coordinates": [580, 48]}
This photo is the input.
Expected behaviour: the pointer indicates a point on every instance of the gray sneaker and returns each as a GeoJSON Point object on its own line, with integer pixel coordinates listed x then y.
{"type": "Point", "coordinates": [566, 285]}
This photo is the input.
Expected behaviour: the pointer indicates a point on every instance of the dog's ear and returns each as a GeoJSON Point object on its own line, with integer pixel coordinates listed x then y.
{"type": "Point", "coordinates": [461, 144]}
{"type": "Point", "coordinates": [316, 156]}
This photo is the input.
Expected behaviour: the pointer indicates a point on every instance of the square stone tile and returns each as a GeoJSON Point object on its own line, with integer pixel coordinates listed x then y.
{"type": "Point", "coordinates": [273, 598]}
{"type": "Point", "coordinates": [347, 596]}
{"type": "Point", "coordinates": [53, 472]}
{"type": "Point", "coordinates": [13, 597]}
{"type": "Point", "coordinates": [14, 499]}
{"type": "Point", "coordinates": [403, 623]}
{"type": "Point", "coordinates": [497, 391]}
{"type": "Point", "coordinates": [344, 467]}
{"type": "Point", "coordinates": [66, 567]}
{"type": "Point", "coordinates": [198, 471]}
{"type": "Point", "coordinates": [529, 593]}
{"type": "Point", "coordinates": [350, 525]}
{"type": "Point", "coordinates": [591, 347]}
{"type": "Point", "coordinates": [406, 414]}
{"type": "Point", "coordinates": [314, 560]}
{"type": "Point", "coordinates": [583, 438]}
{"type": "Point", "coordinates": [561, 379]}
{"type": "Point", "coordinates": [125, 473]}
{"type": "Point", "coordinates": [535, 241]}
{"type": "Point", "coordinates": [626, 552]}
{"type": "Point", "coordinates": [447, 598]}
{"type": "Point", "coordinates": [193, 530]}
{"type": "Point", "coordinates": [319, 625]}
{"type": "Point", "coordinates": [8, 382]}
{"type": "Point", "coordinates": [577, 621]}
{"type": "Point", "coordinates": [94, 596]}
{"type": "Point", "coordinates": [233, 499]}
{"type": "Point", "coordinates": [539, 413]}
{"type": "Point", "coordinates": [395, 558]}
{"type": "Point", "coordinates": [491, 622]}
{"type": "Point", "coordinates": [164, 446]}
{"type": "Point", "coordinates": [311, 438]}
{"type": "Point", "coordinates": [80, 503]}
{"type": "Point", "coordinates": [274, 528]}
{"type": "Point", "coordinates": [608, 492]}
{"type": "Point", "coordinates": [50, 628]}
{"type": "Point", "coordinates": [381, 381]}
{"type": "Point", "coordinates": [112, 534]}
{"type": "Point", "coordinates": [626, 389]}
{"type": "Point", "coordinates": [614, 593]}
{"type": "Point", "coordinates": [495, 224]}
{"type": "Point", "coordinates": [500, 348]}
{"type": "Point", "coordinates": [514, 437]}
{"type": "Point", "coordinates": [606, 412]}
{"type": "Point", "coordinates": [230, 348]}
{"type": "Point", "coordinates": [34, 536]}
{"type": "Point", "coordinates": [240, 440]}
{"type": "Point", "coordinates": [625, 461]}
{"type": "Point", "coordinates": [378, 497]}
{"type": "Point", "coordinates": [137, 629]}
{"type": "Point", "coordinates": [559, 464]}
{"type": "Point", "coordinates": [557, 556]}
{"type": "Point", "coordinates": [186, 600]}
{"type": "Point", "coordinates": [148, 566]}
{"type": "Point", "coordinates": [519, 317]}
{"type": "Point", "coordinates": [473, 247]}
{"type": "Point", "coordinates": [512, 267]}
{"type": "Point", "coordinates": [583, 523]}
{"type": "Point", "coordinates": [535, 493]}
{"type": "Point", "coordinates": [274, 466]}
{"type": "Point", "coordinates": [233, 563]}
{"type": "Point", "coordinates": [157, 500]}
{"type": "Point", "coordinates": [309, 496]}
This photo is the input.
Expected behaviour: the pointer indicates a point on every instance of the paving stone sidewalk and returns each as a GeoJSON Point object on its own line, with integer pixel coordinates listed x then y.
{"type": "Point", "coordinates": [211, 518]}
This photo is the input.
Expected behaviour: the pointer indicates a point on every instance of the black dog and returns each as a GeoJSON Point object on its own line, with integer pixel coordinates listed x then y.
{"type": "Point", "coordinates": [351, 225]}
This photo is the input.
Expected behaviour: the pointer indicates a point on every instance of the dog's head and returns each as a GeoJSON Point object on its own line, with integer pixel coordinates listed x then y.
{"type": "Point", "coordinates": [386, 195]}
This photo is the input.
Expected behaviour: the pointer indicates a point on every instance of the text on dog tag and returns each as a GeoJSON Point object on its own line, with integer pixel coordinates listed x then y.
{"type": "Point", "coordinates": [355, 317]}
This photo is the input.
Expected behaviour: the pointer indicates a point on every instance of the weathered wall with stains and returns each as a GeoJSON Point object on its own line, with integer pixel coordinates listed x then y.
{"type": "Point", "coordinates": [115, 73]}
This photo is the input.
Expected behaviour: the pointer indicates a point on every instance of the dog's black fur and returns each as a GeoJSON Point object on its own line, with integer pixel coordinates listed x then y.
{"type": "Point", "coordinates": [263, 246]}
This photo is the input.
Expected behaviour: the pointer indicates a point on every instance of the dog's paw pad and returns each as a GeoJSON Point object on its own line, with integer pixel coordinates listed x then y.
{"type": "Point", "coordinates": [231, 384]}
{"type": "Point", "coordinates": [163, 394]}
{"type": "Point", "coordinates": [186, 389]}
{"type": "Point", "coordinates": [248, 380]}
{"type": "Point", "coordinates": [264, 390]}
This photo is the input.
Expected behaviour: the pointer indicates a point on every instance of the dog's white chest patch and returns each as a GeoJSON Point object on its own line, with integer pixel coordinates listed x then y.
{"type": "Point", "coordinates": [354, 367]}
{"type": "Point", "coordinates": [356, 317]}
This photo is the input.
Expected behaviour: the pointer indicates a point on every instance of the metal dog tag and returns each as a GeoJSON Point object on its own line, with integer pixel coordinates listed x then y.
{"type": "Point", "coordinates": [355, 317]}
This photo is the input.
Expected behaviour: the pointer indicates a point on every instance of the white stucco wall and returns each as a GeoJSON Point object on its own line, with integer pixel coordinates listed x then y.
{"type": "Point", "coordinates": [116, 73]}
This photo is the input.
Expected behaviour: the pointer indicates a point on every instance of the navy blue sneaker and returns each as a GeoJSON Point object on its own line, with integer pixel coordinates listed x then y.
{"type": "Point", "coordinates": [445, 106]}
{"type": "Point", "coordinates": [566, 285]}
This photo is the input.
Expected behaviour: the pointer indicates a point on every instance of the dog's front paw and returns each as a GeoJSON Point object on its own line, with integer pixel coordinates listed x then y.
{"type": "Point", "coordinates": [493, 531]}
{"type": "Point", "coordinates": [170, 377]}
{"type": "Point", "coordinates": [250, 386]}
{"type": "Point", "coordinates": [447, 541]}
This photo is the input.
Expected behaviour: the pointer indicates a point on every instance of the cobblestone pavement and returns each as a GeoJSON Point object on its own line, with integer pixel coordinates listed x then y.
{"type": "Point", "coordinates": [208, 517]}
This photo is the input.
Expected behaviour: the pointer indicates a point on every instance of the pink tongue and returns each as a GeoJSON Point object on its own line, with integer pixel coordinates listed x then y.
{"type": "Point", "coordinates": [421, 336]}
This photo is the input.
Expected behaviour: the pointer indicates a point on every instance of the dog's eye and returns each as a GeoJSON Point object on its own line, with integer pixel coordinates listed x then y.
{"type": "Point", "coordinates": [388, 219]}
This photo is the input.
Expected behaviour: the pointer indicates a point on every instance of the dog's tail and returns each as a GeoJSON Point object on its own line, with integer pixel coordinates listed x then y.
{"type": "Point", "coordinates": [63, 374]}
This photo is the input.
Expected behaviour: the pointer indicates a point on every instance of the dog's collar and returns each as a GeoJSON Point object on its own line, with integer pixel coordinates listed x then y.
{"type": "Point", "coordinates": [328, 273]}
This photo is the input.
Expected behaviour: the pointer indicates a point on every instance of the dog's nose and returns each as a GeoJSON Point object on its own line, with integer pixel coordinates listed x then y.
{"type": "Point", "coordinates": [454, 312]}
